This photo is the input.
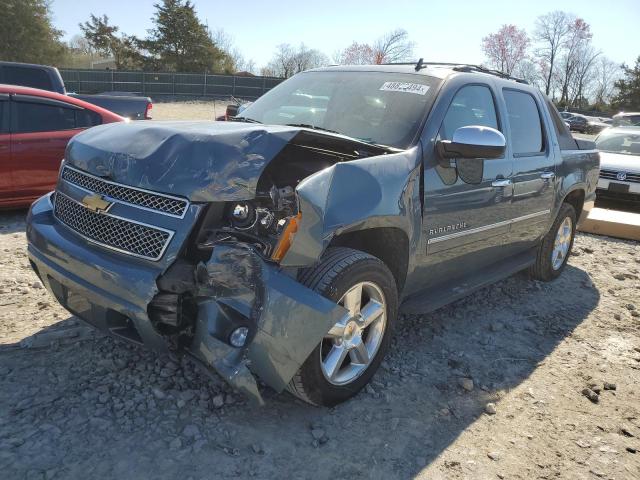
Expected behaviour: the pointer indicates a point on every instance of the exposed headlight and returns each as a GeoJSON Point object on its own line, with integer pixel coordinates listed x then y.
{"type": "Point", "coordinates": [243, 215]}
{"type": "Point", "coordinates": [239, 337]}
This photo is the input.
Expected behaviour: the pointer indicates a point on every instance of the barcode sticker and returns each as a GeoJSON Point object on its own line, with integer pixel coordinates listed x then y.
{"type": "Point", "coordinates": [405, 87]}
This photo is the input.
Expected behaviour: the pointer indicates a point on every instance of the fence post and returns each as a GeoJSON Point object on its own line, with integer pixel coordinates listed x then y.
{"type": "Point", "coordinates": [233, 88]}
{"type": "Point", "coordinates": [204, 88]}
{"type": "Point", "coordinates": [264, 85]}
{"type": "Point", "coordinates": [113, 88]}
{"type": "Point", "coordinates": [173, 84]}
{"type": "Point", "coordinates": [143, 85]}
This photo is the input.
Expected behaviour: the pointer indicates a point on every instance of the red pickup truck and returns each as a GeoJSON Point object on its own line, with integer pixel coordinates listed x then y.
{"type": "Point", "coordinates": [35, 126]}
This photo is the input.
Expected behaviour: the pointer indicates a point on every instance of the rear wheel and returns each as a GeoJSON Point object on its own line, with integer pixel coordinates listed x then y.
{"type": "Point", "coordinates": [347, 357]}
{"type": "Point", "coordinates": [555, 247]}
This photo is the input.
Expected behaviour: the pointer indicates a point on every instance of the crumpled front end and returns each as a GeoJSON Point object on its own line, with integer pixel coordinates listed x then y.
{"type": "Point", "coordinates": [236, 288]}
{"type": "Point", "coordinates": [189, 237]}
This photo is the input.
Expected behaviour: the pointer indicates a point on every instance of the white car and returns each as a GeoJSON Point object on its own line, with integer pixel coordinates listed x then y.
{"type": "Point", "coordinates": [619, 163]}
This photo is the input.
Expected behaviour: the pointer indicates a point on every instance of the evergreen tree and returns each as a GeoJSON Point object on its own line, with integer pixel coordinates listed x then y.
{"type": "Point", "coordinates": [628, 96]}
{"type": "Point", "coordinates": [104, 39]}
{"type": "Point", "coordinates": [27, 34]}
{"type": "Point", "coordinates": [180, 42]}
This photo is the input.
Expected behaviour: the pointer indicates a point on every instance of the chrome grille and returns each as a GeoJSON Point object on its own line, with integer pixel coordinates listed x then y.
{"type": "Point", "coordinates": [135, 196]}
{"type": "Point", "coordinates": [110, 231]}
{"type": "Point", "coordinates": [613, 175]}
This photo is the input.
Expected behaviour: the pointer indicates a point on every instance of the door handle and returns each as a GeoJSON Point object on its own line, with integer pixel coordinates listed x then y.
{"type": "Point", "coordinates": [501, 182]}
{"type": "Point", "coordinates": [547, 175]}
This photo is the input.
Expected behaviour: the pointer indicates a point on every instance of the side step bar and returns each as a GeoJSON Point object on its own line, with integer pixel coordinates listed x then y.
{"type": "Point", "coordinates": [432, 299]}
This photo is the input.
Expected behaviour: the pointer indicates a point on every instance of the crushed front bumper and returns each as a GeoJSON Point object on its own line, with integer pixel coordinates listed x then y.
{"type": "Point", "coordinates": [112, 292]}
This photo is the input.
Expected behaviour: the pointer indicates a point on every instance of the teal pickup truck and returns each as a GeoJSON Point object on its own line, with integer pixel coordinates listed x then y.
{"type": "Point", "coordinates": [283, 244]}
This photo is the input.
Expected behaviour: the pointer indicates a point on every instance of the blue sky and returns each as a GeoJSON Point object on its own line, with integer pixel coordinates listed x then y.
{"type": "Point", "coordinates": [443, 30]}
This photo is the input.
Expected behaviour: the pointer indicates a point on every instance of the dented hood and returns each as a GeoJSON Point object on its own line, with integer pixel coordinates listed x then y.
{"type": "Point", "coordinates": [203, 161]}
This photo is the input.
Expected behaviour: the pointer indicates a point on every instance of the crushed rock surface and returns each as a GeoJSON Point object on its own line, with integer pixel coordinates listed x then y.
{"type": "Point", "coordinates": [489, 387]}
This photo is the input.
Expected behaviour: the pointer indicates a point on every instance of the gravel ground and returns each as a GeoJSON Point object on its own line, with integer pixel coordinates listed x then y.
{"type": "Point", "coordinates": [191, 110]}
{"type": "Point", "coordinates": [521, 380]}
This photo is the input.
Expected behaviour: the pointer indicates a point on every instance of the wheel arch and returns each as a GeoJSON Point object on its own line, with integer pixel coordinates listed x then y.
{"type": "Point", "coordinates": [575, 198]}
{"type": "Point", "coordinates": [389, 244]}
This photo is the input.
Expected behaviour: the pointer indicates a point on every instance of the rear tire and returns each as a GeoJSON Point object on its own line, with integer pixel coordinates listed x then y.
{"type": "Point", "coordinates": [555, 247]}
{"type": "Point", "coordinates": [346, 359]}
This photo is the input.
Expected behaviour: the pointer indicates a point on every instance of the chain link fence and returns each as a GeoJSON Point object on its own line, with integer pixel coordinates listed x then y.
{"type": "Point", "coordinates": [154, 84]}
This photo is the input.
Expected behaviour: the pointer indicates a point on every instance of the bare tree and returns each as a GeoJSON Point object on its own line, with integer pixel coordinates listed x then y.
{"type": "Point", "coordinates": [281, 64]}
{"type": "Point", "coordinates": [577, 43]}
{"type": "Point", "coordinates": [606, 72]}
{"type": "Point", "coordinates": [506, 48]}
{"type": "Point", "coordinates": [529, 71]}
{"type": "Point", "coordinates": [289, 60]}
{"type": "Point", "coordinates": [394, 46]}
{"type": "Point", "coordinates": [225, 42]}
{"type": "Point", "coordinates": [356, 54]}
{"type": "Point", "coordinates": [222, 39]}
{"type": "Point", "coordinates": [81, 45]}
{"type": "Point", "coordinates": [306, 58]}
{"type": "Point", "coordinates": [551, 32]}
{"type": "Point", "coordinates": [583, 75]}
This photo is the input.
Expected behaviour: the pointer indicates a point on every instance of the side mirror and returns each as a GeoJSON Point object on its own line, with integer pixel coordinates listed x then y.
{"type": "Point", "coordinates": [232, 110]}
{"type": "Point", "coordinates": [473, 142]}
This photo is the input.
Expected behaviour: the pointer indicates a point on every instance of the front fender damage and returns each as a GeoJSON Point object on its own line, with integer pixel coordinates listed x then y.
{"type": "Point", "coordinates": [286, 320]}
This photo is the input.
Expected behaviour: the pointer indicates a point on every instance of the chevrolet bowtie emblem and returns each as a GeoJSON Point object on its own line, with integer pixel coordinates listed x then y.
{"type": "Point", "coordinates": [96, 203]}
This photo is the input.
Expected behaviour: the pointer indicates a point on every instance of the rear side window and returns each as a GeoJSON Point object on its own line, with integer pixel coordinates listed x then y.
{"type": "Point", "coordinates": [26, 77]}
{"type": "Point", "coordinates": [87, 118]}
{"type": "Point", "coordinates": [626, 120]}
{"type": "Point", "coordinates": [524, 120]}
{"type": "Point", "coordinates": [472, 105]}
{"type": "Point", "coordinates": [37, 117]}
{"type": "Point", "coordinates": [565, 139]}
{"type": "Point", "coordinates": [4, 116]}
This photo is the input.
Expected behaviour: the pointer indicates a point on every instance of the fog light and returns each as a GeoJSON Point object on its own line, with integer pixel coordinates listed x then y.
{"type": "Point", "coordinates": [239, 337]}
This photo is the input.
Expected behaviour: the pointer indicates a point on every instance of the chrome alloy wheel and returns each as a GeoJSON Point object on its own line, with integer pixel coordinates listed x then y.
{"type": "Point", "coordinates": [562, 243]}
{"type": "Point", "coordinates": [350, 346]}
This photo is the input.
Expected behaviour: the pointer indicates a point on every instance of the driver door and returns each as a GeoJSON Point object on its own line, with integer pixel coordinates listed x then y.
{"type": "Point", "coordinates": [466, 219]}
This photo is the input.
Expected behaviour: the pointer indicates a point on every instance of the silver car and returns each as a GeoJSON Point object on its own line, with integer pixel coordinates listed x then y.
{"type": "Point", "coordinates": [619, 163]}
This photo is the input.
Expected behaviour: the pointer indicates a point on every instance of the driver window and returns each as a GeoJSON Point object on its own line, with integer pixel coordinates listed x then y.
{"type": "Point", "coordinates": [472, 105]}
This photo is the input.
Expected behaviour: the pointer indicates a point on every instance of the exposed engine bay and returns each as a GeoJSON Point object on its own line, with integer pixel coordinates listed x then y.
{"type": "Point", "coordinates": [261, 222]}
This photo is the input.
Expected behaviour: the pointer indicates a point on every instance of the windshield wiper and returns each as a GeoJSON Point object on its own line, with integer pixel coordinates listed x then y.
{"type": "Point", "coordinates": [312, 127]}
{"type": "Point", "coordinates": [244, 119]}
{"type": "Point", "coordinates": [363, 140]}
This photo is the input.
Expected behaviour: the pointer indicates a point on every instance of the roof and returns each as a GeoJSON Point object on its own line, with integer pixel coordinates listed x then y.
{"type": "Point", "coordinates": [430, 69]}
{"type": "Point", "coordinates": [429, 72]}
{"type": "Point", "coordinates": [36, 92]}
{"type": "Point", "coordinates": [624, 129]}
{"type": "Point", "coordinates": [22, 64]}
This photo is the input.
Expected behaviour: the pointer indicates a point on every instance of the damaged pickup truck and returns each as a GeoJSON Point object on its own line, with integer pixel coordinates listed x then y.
{"type": "Point", "coordinates": [282, 245]}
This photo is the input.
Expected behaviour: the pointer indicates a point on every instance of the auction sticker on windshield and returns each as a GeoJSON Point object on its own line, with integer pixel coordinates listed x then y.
{"type": "Point", "coordinates": [405, 87]}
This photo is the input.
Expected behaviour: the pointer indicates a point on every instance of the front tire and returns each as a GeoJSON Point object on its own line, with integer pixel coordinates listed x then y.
{"type": "Point", "coordinates": [555, 247]}
{"type": "Point", "coordinates": [350, 353]}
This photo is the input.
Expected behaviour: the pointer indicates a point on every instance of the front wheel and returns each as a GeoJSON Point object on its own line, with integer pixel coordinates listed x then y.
{"type": "Point", "coordinates": [555, 247]}
{"type": "Point", "coordinates": [349, 354]}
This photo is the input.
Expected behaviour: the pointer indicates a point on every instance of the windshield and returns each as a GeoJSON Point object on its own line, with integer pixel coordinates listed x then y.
{"type": "Point", "coordinates": [627, 120]}
{"type": "Point", "coordinates": [375, 107]}
{"type": "Point", "coordinates": [627, 143]}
